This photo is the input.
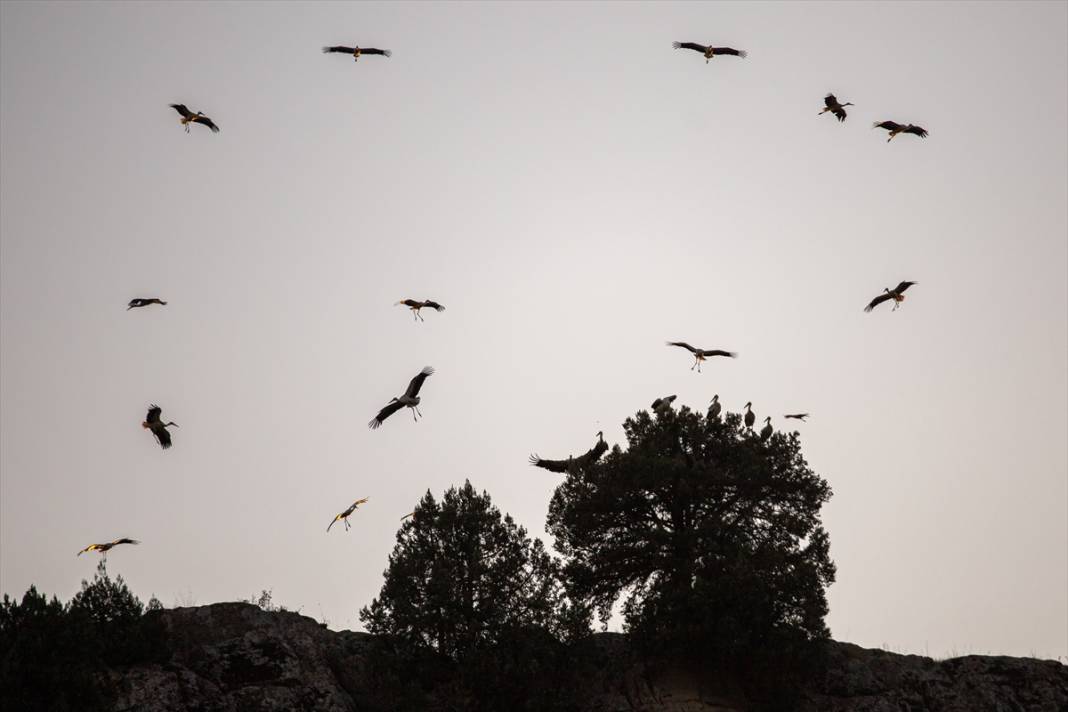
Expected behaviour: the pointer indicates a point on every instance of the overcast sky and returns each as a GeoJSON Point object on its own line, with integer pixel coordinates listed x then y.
{"type": "Point", "coordinates": [576, 192]}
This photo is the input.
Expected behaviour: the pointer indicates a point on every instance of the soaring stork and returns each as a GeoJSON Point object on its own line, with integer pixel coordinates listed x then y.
{"type": "Point", "coordinates": [344, 516]}
{"type": "Point", "coordinates": [715, 408]}
{"type": "Point", "coordinates": [662, 405]}
{"type": "Point", "coordinates": [797, 416]}
{"type": "Point", "coordinates": [708, 52]}
{"type": "Point", "coordinates": [104, 548]}
{"type": "Point", "coordinates": [750, 417]}
{"type": "Point", "coordinates": [410, 399]}
{"type": "Point", "coordinates": [701, 354]}
{"type": "Point", "coordinates": [357, 52]}
{"type": "Point", "coordinates": [897, 294]}
{"type": "Point", "coordinates": [895, 128]}
{"type": "Point", "coordinates": [766, 431]}
{"type": "Point", "coordinates": [415, 306]}
{"type": "Point", "coordinates": [188, 117]}
{"type": "Point", "coordinates": [157, 426]}
{"type": "Point", "coordinates": [591, 456]}
{"type": "Point", "coordinates": [144, 302]}
{"type": "Point", "coordinates": [834, 107]}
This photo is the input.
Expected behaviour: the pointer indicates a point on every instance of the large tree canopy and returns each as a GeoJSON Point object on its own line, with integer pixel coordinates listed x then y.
{"type": "Point", "coordinates": [710, 535]}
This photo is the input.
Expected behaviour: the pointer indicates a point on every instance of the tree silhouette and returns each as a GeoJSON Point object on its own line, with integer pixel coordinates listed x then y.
{"type": "Point", "coordinates": [709, 535]}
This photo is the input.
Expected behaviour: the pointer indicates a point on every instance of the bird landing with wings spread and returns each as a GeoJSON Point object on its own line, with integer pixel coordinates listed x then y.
{"type": "Point", "coordinates": [701, 354]}
{"type": "Point", "coordinates": [188, 117]}
{"type": "Point", "coordinates": [409, 399]}
{"type": "Point", "coordinates": [344, 516]}
{"type": "Point", "coordinates": [897, 294]}
{"type": "Point", "coordinates": [415, 305]}
{"type": "Point", "coordinates": [572, 464]}
{"type": "Point", "coordinates": [105, 548]}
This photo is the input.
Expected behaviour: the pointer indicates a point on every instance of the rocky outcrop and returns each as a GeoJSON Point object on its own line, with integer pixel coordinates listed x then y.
{"type": "Point", "coordinates": [236, 657]}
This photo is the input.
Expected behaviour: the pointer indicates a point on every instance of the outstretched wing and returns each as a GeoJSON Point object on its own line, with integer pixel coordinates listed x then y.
{"type": "Point", "coordinates": [876, 302]}
{"type": "Point", "coordinates": [91, 547]}
{"type": "Point", "coordinates": [372, 50]}
{"type": "Point", "coordinates": [207, 122]}
{"type": "Point", "coordinates": [125, 541]}
{"type": "Point", "coordinates": [797, 416]}
{"type": "Point", "coordinates": [689, 45]}
{"type": "Point", "coordinates": [162, 436]}
{"type": "Point", "coordinates": [903, 286]}
{"type": "Point", "coordinates": [922, 133]}
{"type": "Point", "coordinates": [830, 101]}
{"type": "Point", "coordinates": [433, 305]}
{"type": "Point", "coordinates": [888, 125]}
{"type": "Point", "coordinates": [135, 303]}
{"type": "Point", "coordinates": [593, 454]}
{"type": "Point", "coordinates": [840, 113]}
{"type": "Point", "coordinates": [729, 50]}
{"type": "Point", "coordinates": [153, 414]}
{"type": "Point", "coordinates": [182, 109]}
{"type": "Point", "coordinates": [550, 465]}
{"type": "Point", "coordinates": [340, 48]}
{"type": "Point", "coordinates": [358, 502]}
{"type": "Point", "coordinates": [417, 382]}
{"type": "Point", "coordinates": [684, 345]}
{"type": "Point", "coordinates": [717, 352]}
{"type": "Point", "coordinates": [384, 413]}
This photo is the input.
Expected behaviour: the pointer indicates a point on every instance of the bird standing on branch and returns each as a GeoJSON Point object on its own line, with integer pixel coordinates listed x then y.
{"type": "Point", "coordinates": [344, 516]}
{"type": "Point", "coordinates": [701, 354]}
{"type": "Point", "coordinates": [188, 117]}
{"type": "Point", "coordinates": [709, 52]}
{"type": "Point", "coordinates": [410, 399]}
{"type": "Point", "coordinates": [662, 405]}
{"type": "Point", "coordinates": [714, 408]}
{"type": "Point", "coordinates": [750, 417]}
{"type": "Point", "coordinates": [767, 430]}
{"type": "Point", "coordinates": [897, 294]}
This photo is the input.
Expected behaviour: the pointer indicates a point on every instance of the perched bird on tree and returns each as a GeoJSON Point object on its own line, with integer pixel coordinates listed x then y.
{"type": "Point", "coordinates": [415, 306]}
{"type": "Point", "coordinates": [766, 431]}
{"type": "Point", "coordinates": [661, 405]}
{"type": "Point", "coordinates": [104, 548]}
{"type": "Point", "coordinates": [141, 302]}
{"type": "Point", "coordinates": [344, 516]}
{"type": "Point", "coordinates": [715, 408]}
{"type": "Point", "coordinates": [357, 52]}
{"type": "Point", "coordinates": [708, 52]}
{"type": "Point", "coordinates": [188, 117]}
{"type": "Point", "coordinates": [750, 417]}
{"type": "Point", "coordinates": [409, 399]}
{"type": "Point", "coordinates": [895, 128]}
{"type": "Point", "coordinates": [897, 294]}
{"type": "Point", "coordinates": [835, 108]}
{"type": "Point", "coordinates": [701, 354]}
{"type": "Point", "coordinates": [797, 416]}
{"type": "Point", "coordinates": [572, 463]}
{"type": "Point", "coordinates": [157, 426]}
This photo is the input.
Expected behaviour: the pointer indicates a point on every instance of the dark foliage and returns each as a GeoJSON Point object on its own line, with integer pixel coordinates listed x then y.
{"type": "Point", "coordinates": [468, 592]}
{"type": "Point", "coordinates": [53, 657]}
{"type": "Point", "coordinates": [710, 536]}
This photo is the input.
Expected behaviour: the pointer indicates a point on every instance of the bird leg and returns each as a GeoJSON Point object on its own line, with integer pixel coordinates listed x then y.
{"type": "Point", "coordinates": [419, 315]}
{"type": "Point", "coordinates": [346, 522]}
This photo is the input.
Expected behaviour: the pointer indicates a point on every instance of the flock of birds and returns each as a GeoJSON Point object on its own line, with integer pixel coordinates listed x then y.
{"type": "Point", "coordinates": [410, 398]}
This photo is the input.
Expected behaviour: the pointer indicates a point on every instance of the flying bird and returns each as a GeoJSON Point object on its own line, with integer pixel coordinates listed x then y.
{"type": "Point", "coordinates": [701, 354]}
{"type": "Point", "coordinates": [591, 456]}
{"type": "Point", "coordinates": [663, 404]}
{"type": "Point", "coordinates": [409, 514]}
{"type": "Point", "coordinates": [344, 516]}
{"type": "Point", "coordinates": [143, 302]}
{"type": "Point", "coordinates": [415, 306]}
{"type": "Point", "coordinates": [104, 548]}
{"type": "Point", "coordinates": [895, 128]}
{"type": "Point", "coordinates": [766, 431]}
{"type": "Point", "coordinates": [835, 108]}
{"type": "Point", "coordinates": [157, 426]}
{"type": "Point", "coordinates": [188, 117]}
{"type": "Point", "coordinates": [750, 418]}
{"type": "Point", "coordinates": [797, 416]}
{"type": "Point", "coordinates": [715, 408]}
{"type": "Point", "coordinates": [410, 399]}
{"type": "Point", "coordinates": [357, 52]}
{"type": "Point", "coordinates": [897, 294]}
{"type": "Point", "coordinates": [708, 52]}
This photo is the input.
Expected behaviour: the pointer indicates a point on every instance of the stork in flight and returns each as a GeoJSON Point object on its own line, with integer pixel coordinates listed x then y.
{"type": "Point", "coordinates": [144, 302]}
{"type": "Point", "coordinates": [188, 117]}
{"type": "Point", "coordinates": [750, 417]}
{"type": "Point", "coordinates": [415, 306]}
{"type": "Point", "coordinates": [715, 408]}
{"type": "Point", "coordinates": [104, 548]}
{"type": "Point", "coordinates": [834, 107]}
{"type": "Point", "coordinates": [895, 128]}
{"type": "Point", "coordinates": [344, 516]}
{"type": "Point", "coordinates": [410, 399]}
{"type": "Point", "coordinates": [897, 294]}
{"type": "Point", "coordinates": [357, 52]}
{"type": "Point", "coordinates": [701, 354]}
{"type": "Point", "coordinates": [797, 416]}
{"type": "Point", "coordinates": [157, 426]}
{"type": "Point", "coordinates": [560, 466]}
{"type": "Point", "coordinates": [709, 52]}
{"type": "Point", "coordinates": [767, 430]}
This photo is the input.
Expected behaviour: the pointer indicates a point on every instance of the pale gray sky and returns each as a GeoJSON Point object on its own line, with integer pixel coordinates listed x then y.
{"type": "Point", "coordinates": [575, 192]}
